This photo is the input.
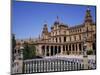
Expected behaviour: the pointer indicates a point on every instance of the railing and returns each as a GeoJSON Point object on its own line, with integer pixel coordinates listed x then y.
{"type": "Point", "coordinates": [52, 65]}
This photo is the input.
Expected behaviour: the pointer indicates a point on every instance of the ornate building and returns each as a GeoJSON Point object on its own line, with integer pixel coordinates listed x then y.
{"type": "Point", "coordinates": [61, 40]}
{"type": "Point", "coordinates": [66, 40]}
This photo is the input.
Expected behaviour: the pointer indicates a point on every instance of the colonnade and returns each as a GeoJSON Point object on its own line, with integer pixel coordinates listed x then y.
{"type": "Point", "coordinates": [64, 49]}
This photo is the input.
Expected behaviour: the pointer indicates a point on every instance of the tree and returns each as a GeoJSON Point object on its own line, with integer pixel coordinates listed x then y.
{"type": "Point", "coordinates": [29, 51]}
{"type": "Point", "coordinates": [13, 46]}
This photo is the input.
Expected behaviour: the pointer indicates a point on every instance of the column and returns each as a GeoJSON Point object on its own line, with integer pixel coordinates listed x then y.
{"type": "Point", "coordinates": [62, 39]}
{"type": "Point", "coordinates": [57, 49]}
{"type": "Point", "coordinates": [82, 49]}
{"type": "Point", "coordinates": [77, 48]}
{"type": "Point", "coordinates": [65, 49]}
{"type": "Point", "coordinates": [49, 50]}
{"type": "Point", "coordinates": [58, 39]}
{"type": "Point", "coordinates": [40, 50]}
{"type": "Point", "coordinates": [61, 49]}
{"type": "Point", "coordinates": [53, 50]}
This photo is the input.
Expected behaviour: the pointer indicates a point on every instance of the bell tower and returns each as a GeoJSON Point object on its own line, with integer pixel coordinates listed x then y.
{"type": "Point", "coordinates": [88, 17]}
{"type": "Point", "coordinates": [45, 29]}
{"type": "Point", "coordinates": [88, 22]}
{"type": "Point", "coordinates": [45, 32]}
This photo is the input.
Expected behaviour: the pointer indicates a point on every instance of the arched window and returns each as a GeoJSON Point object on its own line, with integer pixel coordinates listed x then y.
{"type": "Point", "coordinates": [63, 48]}
{"type": "Point", "coordinates": [79, 37]}
{"type": "Point", "coordinates": [69, 47]}
{"type": "Point", "coordinates": [64, 39]}
{"type": "Point", "coordinates": [80, 47]}
{"type": "Point", "coordinates": [59, 49]}
{"type": "Point", "coordinates": [73, 47]}
{"type": "Point", "coordinates": [59, 39]}
{"type": "Point", "coordinates": [74, 38]}
{"type": "Point", "coordinates": [43, 49]}
{"type": "Point", "coordinates": [56, 40]}
{"type": "Point", "coordinates": [66, 47]}
{"type": "Point", "coordinates": [70, 38]}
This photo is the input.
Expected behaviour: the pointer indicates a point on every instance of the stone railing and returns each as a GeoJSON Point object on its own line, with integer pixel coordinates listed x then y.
{"type": "Point", "coordinates": [54, 65]}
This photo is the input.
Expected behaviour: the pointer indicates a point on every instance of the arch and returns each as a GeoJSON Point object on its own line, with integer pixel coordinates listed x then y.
{"type": "Point", "coordinates": [47, 51]}
{"type": "Point", "coordinates": [73, 47]}
{"type": "Point", "coordinates": [80, 47]}
{"type": "Point", "coordinates": [43, 50]}
{"type": "Point", "coordinates": [55, 50]}
{"type": "Point", "coordinates": [64, 39]}
{"type": "Point", "coordinates": [94, 47]}
{"type": "Point", "coordinates": [59, 49]}
{"type": "Point", "coordinates": [63, 48]}
{"type": "Point", "coordinates": [51, 50]}
{"type": "Point", "coordinates": [69, 47]}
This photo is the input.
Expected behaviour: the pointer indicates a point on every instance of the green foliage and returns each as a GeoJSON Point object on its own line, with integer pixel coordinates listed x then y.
{"type": "Point", "coordinates": [13, 45]}
{"type": "Point", "coordinates": [13, 41]}
{"type": "Point", "coordinates": [29, 51]}
{"type": "Point", "coordinates": [89, 52]}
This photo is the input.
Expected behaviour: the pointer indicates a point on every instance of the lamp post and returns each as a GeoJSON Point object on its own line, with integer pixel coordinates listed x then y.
{"type": "Point", "coordinates": [20, 60]}
{"type": "Point", "coordinates": [85, 56]}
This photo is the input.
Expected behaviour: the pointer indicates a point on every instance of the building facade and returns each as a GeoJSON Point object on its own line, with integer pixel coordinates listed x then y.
{"type": "Point", "coordinates": [66, 40]}
{"type": "Point", "coordinates": [61, 40]}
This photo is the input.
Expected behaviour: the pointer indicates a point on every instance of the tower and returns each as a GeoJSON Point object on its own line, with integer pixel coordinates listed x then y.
{"type": "Point", "coordinates": [88, 16]}
{"type": "Point", "coordinates": [86, 36]}
{"type": "Point", "coordinates": [45, 32]}
{"type": "Point", "coordinates": [89, 28]}
{"type": "Point", "coordinates": [45, 29]}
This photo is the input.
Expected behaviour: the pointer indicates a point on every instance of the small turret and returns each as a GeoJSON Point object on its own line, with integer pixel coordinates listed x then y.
{"type": "Point", "coordinates": [45, 32]}
{"type": "Point", "coordinates": [45, 28]}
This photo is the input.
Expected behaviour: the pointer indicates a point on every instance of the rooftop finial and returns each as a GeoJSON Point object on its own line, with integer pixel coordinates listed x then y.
{"type": "Point", "coordinates": [88, 7]}
{"type": "Point", "coordinates": [45, 22]}
{"type": "Point", "coordinates": [88, 17]}
{"type": "Point", "coordinates": [58, 18]}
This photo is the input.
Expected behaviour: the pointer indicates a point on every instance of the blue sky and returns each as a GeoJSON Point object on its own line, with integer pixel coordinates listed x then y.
{"type": "Point", "coordinates": [28, 18]}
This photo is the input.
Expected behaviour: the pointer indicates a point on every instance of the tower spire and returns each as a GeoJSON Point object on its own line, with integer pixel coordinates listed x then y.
{"type": "Point", "coordinates": [58, 18]}
{"type": "Point", "coordinates": [88, 17]}
{"type": "Point", "coordinates": [57, 21]}
{"type": "Point", "coordinates": [45, 28]}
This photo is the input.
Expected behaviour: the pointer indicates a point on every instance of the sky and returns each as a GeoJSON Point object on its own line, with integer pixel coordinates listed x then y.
{"type": "Point", "coordinates": [28, 18]}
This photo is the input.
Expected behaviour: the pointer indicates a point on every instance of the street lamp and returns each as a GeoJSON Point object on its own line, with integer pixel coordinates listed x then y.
{"type": "Point", "coordinates": [21, 52]}
{"type": "Point", "coordinates": [21, 58]}
{"type": "Point", "coordinates": [85, 56]}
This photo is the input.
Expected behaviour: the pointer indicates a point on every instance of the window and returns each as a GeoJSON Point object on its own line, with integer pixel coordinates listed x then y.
{"type": "Point", "coordinates": [79, 37]}
{"type": "Point", "coordinates": [56, 39]}
{"type": "Point", "coordinates": [73, 47]}
{"type": "Point", "coordinates": [64, 39]}
{"type": "Point", "coordinates": [75, 38]}
{"type": "Point", "coordinates": [59, 39]}
{"type": "Point", "coordinates": [80, 30]}
{"type": "Point", "coordinates": [64, 32]}
{"type": "Point", "coordinates": [70, 38]}
{"type": "Point", "coordinates": [80, 47]}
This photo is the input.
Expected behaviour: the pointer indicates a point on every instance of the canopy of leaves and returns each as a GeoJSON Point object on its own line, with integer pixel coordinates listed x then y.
{"type": "Point", "coordinates": [29, 51]}
{"type": "Point", "coordinates": [13, 45]}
